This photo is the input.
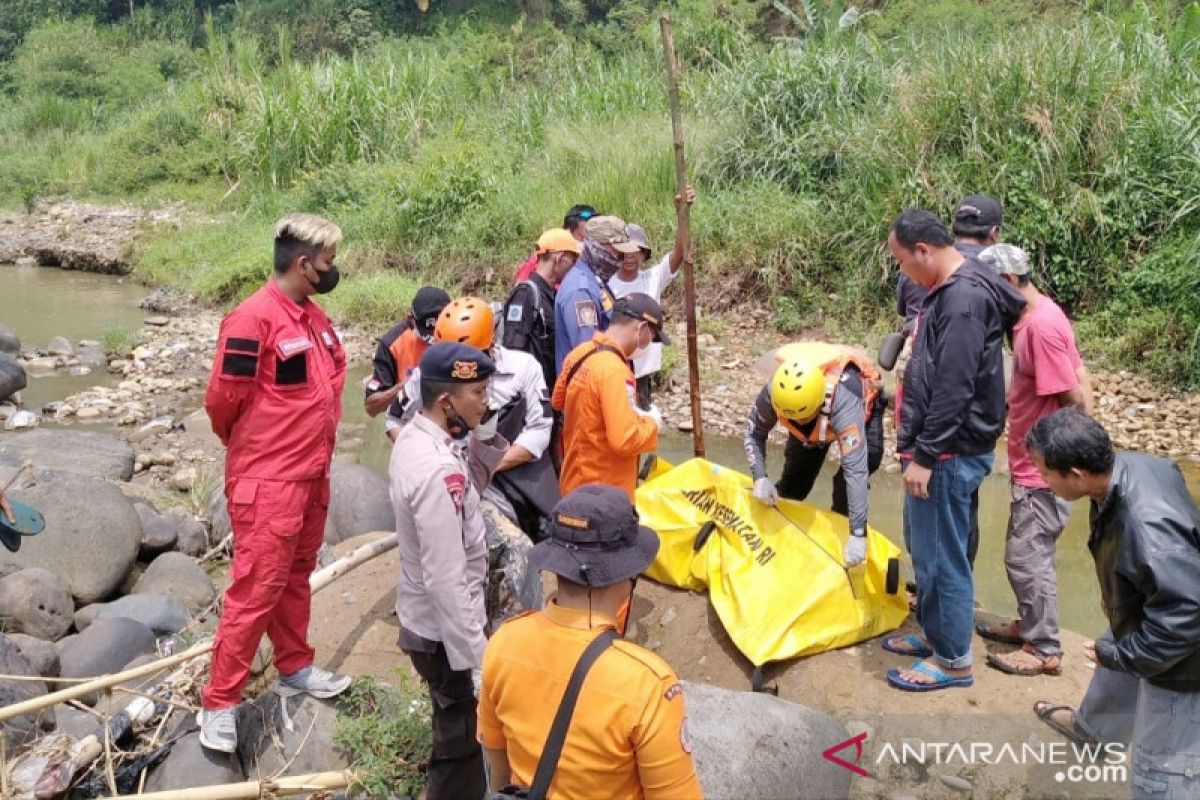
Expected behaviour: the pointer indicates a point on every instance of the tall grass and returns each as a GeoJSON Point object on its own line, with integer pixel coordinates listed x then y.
{"type": "Point", "coordinates": [444, 155]}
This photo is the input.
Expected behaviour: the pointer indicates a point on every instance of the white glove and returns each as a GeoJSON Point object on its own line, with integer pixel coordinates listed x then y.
{"type": "Point", "coordinates": [856, 550]}
{"type": "Point", "coordinates": [654, 414]}
{"type": "Point", "coordinates": [764, 492]}
{"type": "Point", "coordinates": [476, 680]}
{"type": "Point", "coordinates": [486, 431]}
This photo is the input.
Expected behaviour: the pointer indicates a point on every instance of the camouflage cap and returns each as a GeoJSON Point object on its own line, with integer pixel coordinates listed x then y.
{"type": "Point", "coordinates": [611, 230]}
{"type": "Point", "coordinates": [1006, 259]}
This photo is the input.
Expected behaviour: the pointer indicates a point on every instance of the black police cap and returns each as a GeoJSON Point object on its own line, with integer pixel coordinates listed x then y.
{"type": "Point", "coordinates": [452, 362]}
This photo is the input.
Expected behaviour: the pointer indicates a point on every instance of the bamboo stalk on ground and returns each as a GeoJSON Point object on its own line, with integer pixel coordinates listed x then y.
{"type": "Point", "coordinates": [317, 581]}
{"type": "Point", "coordinates": [252, 790]}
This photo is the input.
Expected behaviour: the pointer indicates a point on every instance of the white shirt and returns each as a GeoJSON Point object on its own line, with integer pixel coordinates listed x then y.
{"type": "Point", "coordinates": [517, 374]}
{"type": "Point", "coordinates": [651, 281]}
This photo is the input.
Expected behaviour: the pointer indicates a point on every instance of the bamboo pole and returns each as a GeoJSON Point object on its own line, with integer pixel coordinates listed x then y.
{"type": "Point", "coordinates": [252, 790]}
{"type": "Point", "coordinates": [317, 581]}
{"type": "Point", "coordinates": [685, 232]}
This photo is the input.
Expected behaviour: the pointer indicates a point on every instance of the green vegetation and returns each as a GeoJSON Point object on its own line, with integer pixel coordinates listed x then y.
{"type": "Point", "coordinates": [443, 143]}
{"type": "Point", "coordinates": [385, 732]}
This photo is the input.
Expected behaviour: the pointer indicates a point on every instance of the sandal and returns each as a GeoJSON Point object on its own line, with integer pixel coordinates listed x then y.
{"type": "Point", "coordinates": [913, 646]}
{"type": "Point", "coordinates": [1045, 711]}
{"type": "Point", "coordinates": [1012, 662]}
{"type": "Point", "coordinates": [941, 680]}
{"type": "Point", "coordinates": [998, 633]}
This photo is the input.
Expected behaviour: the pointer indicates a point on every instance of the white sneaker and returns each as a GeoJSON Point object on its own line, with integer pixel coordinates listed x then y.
{"type": "Point", "coordinates": [314, 681]}
{"type": "Point", "coordinates": [218, 729]}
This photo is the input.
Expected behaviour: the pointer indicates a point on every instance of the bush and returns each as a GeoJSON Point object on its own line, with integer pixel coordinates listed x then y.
{"type": "Point", "coordinates": [388, 735]}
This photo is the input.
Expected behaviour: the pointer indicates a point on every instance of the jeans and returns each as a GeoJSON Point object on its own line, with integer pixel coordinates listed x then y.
{"type": "Point", "coordinates": [1166, 744]}
{"type": "Point", "coordinates": [1108, 708]}
{"type": "Point", "coordinates": [936, 531]}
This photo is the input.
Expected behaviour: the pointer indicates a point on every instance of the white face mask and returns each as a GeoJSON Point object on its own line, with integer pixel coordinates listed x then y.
{"type": "Point", "coordinates": [640, 351]}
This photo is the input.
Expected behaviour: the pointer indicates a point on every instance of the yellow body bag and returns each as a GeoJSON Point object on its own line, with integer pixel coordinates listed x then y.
{"type": "Point", "coordinates": [774, 575]}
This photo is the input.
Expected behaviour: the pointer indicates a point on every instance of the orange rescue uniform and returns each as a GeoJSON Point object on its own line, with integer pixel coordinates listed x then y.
{"type": "Point", "coordinates": [603, 434]}
{"type": "Point", "coordinates": [629, 737]}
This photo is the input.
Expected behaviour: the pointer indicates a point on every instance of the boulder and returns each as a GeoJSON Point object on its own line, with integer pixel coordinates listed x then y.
{"type": "Point", "coordinates": [179, 576]}
{"type": "Point", "coordinates": [190, 766]}
{"type": "Point", "coordinates": [22, 419]}
{"type": "Point", "coordinates": [749, 744]}
{"type": "Point", "coordinates": [158, 532]}
{"type": "Point", "coordinates": [158, 612]}
{"type": "Point", "coordinates": [191, 535]}
{"type": "Point", "coordinates": [60, 346]}
{"type": "Point", "coordinates": [36, 602]}
{"type": "Point", "coordinates": [10, 345]}
{"type": "Point", "coordinates": [12, 376]}
{"type": "Point", "coordinates": [154, 427]}
{"type": "Point", "coordinates": [104, 648]}
{"type": "Point", "coordinates": [359, 502]}
{"type": "Point", "coordinates": [25, 728]}
{"type": "Point", "coordinates": [91, 538]}
{"type": "Point", "coordinates": [266, 742]}
{"type": "Point", "coordinates": [74, 722]}
{"type": "Point", "coordinates": [41, 654]}
{"type": "Point", "coordinates": [218, 517]}
{"type": "Point", "coordinates": [87, 615]}
{"type": "Point", "coordinates": [94, 454]}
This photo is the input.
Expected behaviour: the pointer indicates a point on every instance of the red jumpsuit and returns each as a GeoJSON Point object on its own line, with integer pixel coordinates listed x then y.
{"type": "Point", "coordinates": [274, 399]}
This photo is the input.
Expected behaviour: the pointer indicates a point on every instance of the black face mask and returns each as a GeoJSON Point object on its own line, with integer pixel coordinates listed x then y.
{"type": "Point", "coordinates": [326, 281]}
{"type": "Point", "coordinates": [457, 426]}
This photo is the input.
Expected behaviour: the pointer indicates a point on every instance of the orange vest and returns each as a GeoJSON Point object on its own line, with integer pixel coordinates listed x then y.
{"type": "Point", "coordinates": [836, 358]}
{"type": "Point", "coordinates": [406, 351]}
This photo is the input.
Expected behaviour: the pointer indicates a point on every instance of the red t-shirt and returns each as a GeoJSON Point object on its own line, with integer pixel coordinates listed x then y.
{"type": "Point", "coordinates": [526, 269]}
{"type": "Point", "coordinates": [1044, 362]}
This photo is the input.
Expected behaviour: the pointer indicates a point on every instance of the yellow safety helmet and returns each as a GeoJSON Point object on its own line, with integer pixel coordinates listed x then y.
{"type": "Point", "coordinates": [798, 389]}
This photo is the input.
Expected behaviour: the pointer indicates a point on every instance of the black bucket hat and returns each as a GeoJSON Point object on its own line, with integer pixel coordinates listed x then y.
{"type": "Point", "coordinates": [594, 538]}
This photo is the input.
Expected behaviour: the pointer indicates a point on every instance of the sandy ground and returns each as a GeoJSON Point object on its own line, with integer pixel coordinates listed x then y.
{"type": "Point", "coordinates": [354, 630]}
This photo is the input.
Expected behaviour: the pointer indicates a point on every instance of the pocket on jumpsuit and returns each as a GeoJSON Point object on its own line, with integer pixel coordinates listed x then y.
{"type": "Point", "coordinates": [241, 494]}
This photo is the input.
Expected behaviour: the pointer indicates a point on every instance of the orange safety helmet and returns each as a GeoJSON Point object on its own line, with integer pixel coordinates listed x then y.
{"type": "Point", "coordinates": [466, 320]}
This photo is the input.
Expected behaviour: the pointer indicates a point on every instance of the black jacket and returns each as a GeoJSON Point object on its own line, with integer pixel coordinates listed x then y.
{"type": "Point", "coordinates": [1146, 543]}
{"type": "Point", "coordinates": [953, 399]}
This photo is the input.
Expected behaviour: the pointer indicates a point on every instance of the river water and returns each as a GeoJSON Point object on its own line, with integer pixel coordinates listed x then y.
{"type": "Point", "coordinates": [40, 303]}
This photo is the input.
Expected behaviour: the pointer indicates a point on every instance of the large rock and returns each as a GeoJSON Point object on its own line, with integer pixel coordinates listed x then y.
{"type": "Point", "coordinates": [22, 729]}
{"type": "Point", "coordinates": [180, 577]}
{"type": "Point", "coordinates": [85, 616]}
{"type": "Point", "coordinates": [191, 537]}
{"type": "Point", "coordinates": [749, 744]}
{"type": "Point", "coordinates": [91, 538]}
{"type": "Point", "coordinates": [12, 376]}
{"type": "Point", "coordinates": [159, 612]}
{"type": "Point", "coordinates": [60, 346]}
{"type": "Point", "coordinates": [266, 744]}
{"type": "Point", "coordinates": [36, 602]}
{"type": "Point", "coordinates": [79, 452]}
{"type": "Point", "coordinates": [218, 517]}
{"type": "Point", "coordinates": [190, 766]}
{"type": "Point", "coordinates": [158, 532]}
{"type": "Point", "coordinates": [9, 343]}
{"type": "Point", "coordinates": [359, 502]}
{"type": "Point", "coordinates": [41, 654]}
{"type": "Point", "coordinates": [105, 647]}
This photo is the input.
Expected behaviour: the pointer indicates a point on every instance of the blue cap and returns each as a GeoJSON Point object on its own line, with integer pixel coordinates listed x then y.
{"type": "Point", "coordinates": [452, 362]}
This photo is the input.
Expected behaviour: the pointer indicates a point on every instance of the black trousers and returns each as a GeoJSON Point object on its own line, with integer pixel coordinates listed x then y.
{"type": "Point", "coordinates": [456, 771]}
{"type": "Point", "coordinates": [802, 465]}
{"type": "Point", "coordinates": [643, 392]}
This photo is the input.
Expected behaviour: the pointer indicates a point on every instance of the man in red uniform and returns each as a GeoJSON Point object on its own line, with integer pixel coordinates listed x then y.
{"type": "Point", "coordinates": [274, 399]}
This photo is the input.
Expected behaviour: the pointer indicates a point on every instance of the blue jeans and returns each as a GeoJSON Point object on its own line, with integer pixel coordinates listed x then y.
{"type": "Point", "coordinates": [937, 532]}
{"type": "Point", "coordinates": [1166, 744]}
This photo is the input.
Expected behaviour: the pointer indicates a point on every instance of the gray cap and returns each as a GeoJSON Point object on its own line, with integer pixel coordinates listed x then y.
{"type": "Point", "coordinates": [1006, 259]}
{"type": "Point", "coordinates": [637, 235]}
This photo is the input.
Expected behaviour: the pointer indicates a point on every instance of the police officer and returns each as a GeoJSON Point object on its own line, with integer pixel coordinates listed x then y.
{"type": "Point", "coordinates": [398, 353]}
{"type": "Point", "coordinates": [628, 736]}
{"type": "Point", "coordinates": [584, 304]}
{"type": "Point", "coordinates": [274, 398]}
{"type": "Point", "coordinates": [525, 486]}
{"type": "Point", "coordinates": [440, 463]}
{"type": "Point", "coordinates": [820, 393]}
{"type": "Point", "coordinates": [529, 311]}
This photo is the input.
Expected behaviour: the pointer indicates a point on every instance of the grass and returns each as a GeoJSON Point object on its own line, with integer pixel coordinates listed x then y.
{"type": "Point", "coordinates": [444, 153]}
{"type": "Point", "coordinates": [387, 735]}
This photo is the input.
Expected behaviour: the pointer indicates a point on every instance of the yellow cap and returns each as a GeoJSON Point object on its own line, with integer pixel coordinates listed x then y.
{"type": "Point", "coordinates": [798, 389]}
{"type": "Point", "coordinates": [558, 240]}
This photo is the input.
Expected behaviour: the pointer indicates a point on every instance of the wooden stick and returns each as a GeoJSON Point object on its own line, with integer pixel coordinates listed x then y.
{"type": "Point", "coordinates": [317, 581]}
{"type": "Point", "coordinates": [685, 232]}
{"type": "Point", "coordinates": [252, 790]}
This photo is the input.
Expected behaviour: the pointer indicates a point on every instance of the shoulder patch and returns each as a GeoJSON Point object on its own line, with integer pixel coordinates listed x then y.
{"type": "Point", "coordinates": [456, 485]}
{"type": "Point", "coordinates": [651, 661]}
{"type": "Point", "coordinates": [515, 313]}
{"type": "Point", "coordinates": [673, 691]}
{"type": "Point", "coordinates": [585, 314]}
{"type": "Point", "coordinates": [850, 440]}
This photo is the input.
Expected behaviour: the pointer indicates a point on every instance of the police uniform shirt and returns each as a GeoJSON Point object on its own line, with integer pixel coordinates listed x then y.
{"type": "Point", "coordinates": [581, 309]}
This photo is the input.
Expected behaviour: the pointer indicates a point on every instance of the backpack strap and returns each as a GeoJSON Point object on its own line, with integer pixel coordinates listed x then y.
{"type": "Point", "coordinates": [600, 348]}
{"type": "Point", "coordinates": [548, 762]}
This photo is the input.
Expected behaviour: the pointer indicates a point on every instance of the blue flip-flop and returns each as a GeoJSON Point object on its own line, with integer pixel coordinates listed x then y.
{"type": "Point", "coordinates": [941, 679]}
{"type": "Point", "coordinates": [916, 646]}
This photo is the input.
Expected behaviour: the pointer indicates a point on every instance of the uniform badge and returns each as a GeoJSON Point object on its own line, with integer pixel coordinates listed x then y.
{"type": "Point", "coordinates": [328, 338]}
{"type": "Point", "coordinates": [606, 301]}
{"type": "Point", "coordinates": [456, 485]}
{"type": "Point", "coordinates": [850, 439]}
{"type": "Point", "coordinates": [373, 385]}
{"type": "Point", "coordinates": [673, 691]}
{"type": "Point", "coordinates": [465, 371]}
{"type": "Point", "coordinates": [515, 312]}
{"type": "Point", "coordinates": [585, 314]}
{"type": "Point", "coordinates": [290, 347]}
